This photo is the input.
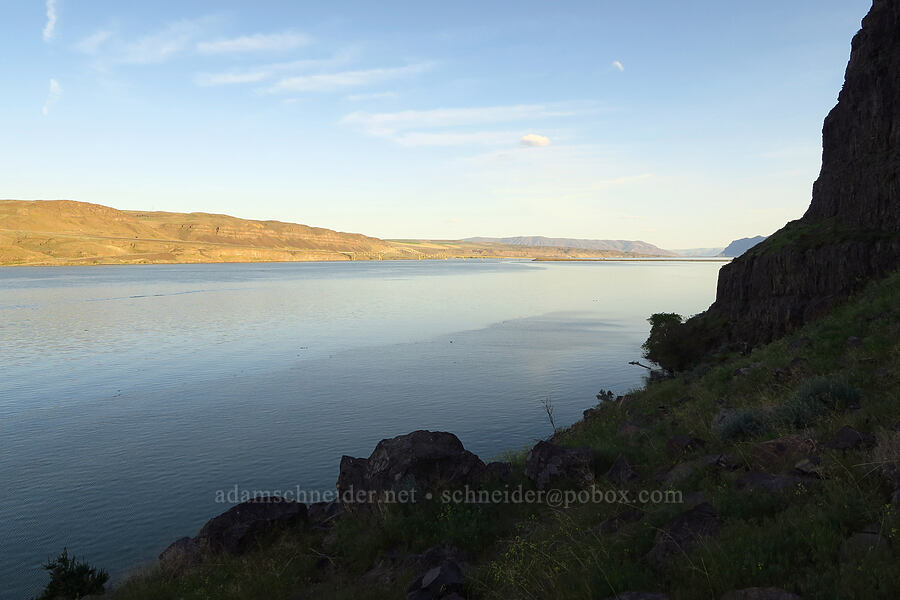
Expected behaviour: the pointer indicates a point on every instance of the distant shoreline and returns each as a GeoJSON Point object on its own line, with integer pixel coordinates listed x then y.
{"type": "Point", "coordinates": [139, 262]}
{"type": "Point", "coordinates": [343, 260]}
{"type": "Point", "coordinates": [667, 259]}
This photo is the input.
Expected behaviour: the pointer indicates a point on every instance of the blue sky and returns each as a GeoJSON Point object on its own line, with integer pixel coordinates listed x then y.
{"type": "Point", "coordinates": [684, 124]}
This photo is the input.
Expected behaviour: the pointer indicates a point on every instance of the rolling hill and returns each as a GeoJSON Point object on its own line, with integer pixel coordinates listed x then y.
{"type": "Point", "coordinates": [66, 232]}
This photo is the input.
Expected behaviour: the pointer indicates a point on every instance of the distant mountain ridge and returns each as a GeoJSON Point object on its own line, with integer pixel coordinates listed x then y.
{"type": "Point", "coordinates": [636, 246]}
{"type": "Point", "coordinates": [738, 247]}
{"type": "Point", "coordinates": [698, 251]}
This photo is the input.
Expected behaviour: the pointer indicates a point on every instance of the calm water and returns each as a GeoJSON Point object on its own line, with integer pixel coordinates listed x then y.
{"type": "Point", "coordinates": [129, 395]}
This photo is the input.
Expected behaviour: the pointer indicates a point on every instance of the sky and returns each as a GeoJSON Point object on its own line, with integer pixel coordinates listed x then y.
{"type": "Point", "coordinates": [684, 124]}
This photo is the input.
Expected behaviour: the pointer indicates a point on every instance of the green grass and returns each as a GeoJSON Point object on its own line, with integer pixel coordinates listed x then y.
{"type": "Point", "coordinates": [790, 540]}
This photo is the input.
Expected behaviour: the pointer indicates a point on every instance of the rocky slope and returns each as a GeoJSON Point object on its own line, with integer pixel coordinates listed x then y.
{"type": "Point", "coordinates": [851, 231]}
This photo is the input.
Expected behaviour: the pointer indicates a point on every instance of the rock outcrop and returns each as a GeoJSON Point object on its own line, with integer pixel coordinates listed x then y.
{"type": "Point", "coordinates": [851, 232]}
{"type": "Point", "coordinates": [237, 530]}
{"type": "Point", "coordinates": [415, 464]}
{"type": "Point", "coordinates": [548, 463]}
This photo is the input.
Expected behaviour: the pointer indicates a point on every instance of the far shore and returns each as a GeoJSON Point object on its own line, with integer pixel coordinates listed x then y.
{"type": "Point", "coordinates": [330, 259]}
{"type": "Point", "coordinates": [624, 259]}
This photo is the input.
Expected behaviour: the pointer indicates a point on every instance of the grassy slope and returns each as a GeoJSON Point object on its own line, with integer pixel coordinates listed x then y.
{"type": "Point", "coordinates": [790, 540]}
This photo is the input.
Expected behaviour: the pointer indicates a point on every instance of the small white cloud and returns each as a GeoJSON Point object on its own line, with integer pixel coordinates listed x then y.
{"type": "Point", "coordinates": [51, 20]}
{"type": "Point", "coordinates": [327, 82]}
{"type": "Point", "coordinates": [91, 44]}
{"type": "Point", "coordinates": [534, 140]}
{"type": "Point", "coordinates": [52, 96]}
{"type": "Point", "coordinates": [618, 65]}
{"type": "Point", "coordinates": [259, 42]}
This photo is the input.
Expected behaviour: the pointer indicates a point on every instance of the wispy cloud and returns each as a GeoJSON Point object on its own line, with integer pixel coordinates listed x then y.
{"type": "Point", "coordinates": [534, 140]}
{"type": "Point", "coordinates": [465, 126]}
{"type": "Point", "coordinates": [259, 42]}
{"type": "Point", "coordinates": [261, 72]}
{"type": "Point", "coordinates": [618, 65]}
{"type": "Point", "coordinates": [53, 96]}
{"type": "Point", "coordinates": [49, 28]}
{"type": "Point", "coordinates": [419, 139]}
{"type": "Point", "coordinates": [328, 82]}
{"type": "Point", "coordinates": [373, 96]}
{"type": "Point", "coordinates": [388, 124]}
{"type": "Point", "coordinates": [91, 44]}
{"type": "Point", "coordinates": [162, 45]}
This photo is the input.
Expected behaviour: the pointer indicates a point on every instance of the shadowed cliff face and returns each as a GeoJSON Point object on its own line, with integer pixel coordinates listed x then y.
{"type": "Point", "coordinates": [851, 231]}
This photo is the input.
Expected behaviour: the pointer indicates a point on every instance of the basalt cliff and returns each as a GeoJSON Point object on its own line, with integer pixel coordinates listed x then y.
{"type": "Point", "coordinates": [851, 232]}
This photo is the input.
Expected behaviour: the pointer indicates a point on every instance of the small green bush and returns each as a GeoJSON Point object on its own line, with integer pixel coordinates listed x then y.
{"type": "Point", "coordinates": [800, 411]}
{"type": "Point", "coordinates": [833, 393]}
{"type": "Point", "coordinates": [741, 423]}
{"type": "Point", "coordinates": [72, 579]}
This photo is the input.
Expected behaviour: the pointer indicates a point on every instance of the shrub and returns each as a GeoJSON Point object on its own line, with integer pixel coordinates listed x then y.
{"type": "Point", "coordinates": [740, 423]}
{"type": "Point", "coordinates": [605, 396]}
{"type": "Point", "coordinates": [70, 578]}
{"type": "Point", "coordinates": [800, 411]}
{"type": "Point", "coordinates": [659, 347]}
{"type": "Point", "coordinates": [833, 393]}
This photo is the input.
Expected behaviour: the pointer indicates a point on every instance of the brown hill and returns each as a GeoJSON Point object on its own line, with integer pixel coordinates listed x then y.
{"type": "Point", "coordinates": [65, 232]}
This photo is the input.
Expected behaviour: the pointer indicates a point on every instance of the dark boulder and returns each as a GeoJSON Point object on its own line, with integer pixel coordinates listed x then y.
{"type": "Point", "coordinates": [682, 471]}
{"type": "Point", "coordinates": [392, 565]}
{"type": "Point", "coordinates": [548, 463]}
{"type": "Point", "coordinates": [862, 543]}
{"type": "Point", "coordinates": [811, 467]}
{"type": "Point", "coordinates": [680, 444]}
{"type": "Point", "coordinates": [415, 463]}
{"type": "Point", "coordinates": [778, 454]}
{"type": "Point", "coordinates": [181, 553]}
{"type": "Point", "coordinates": [850, 439]}
{"type": "Point", "coordinates": [757, 481]}
{"type": "Point", "coordinates": [638, 596]}
{"type": "Point", "coordinates": [683, 533]}
{"type": "Point", "coordinates": [324, 512]}
{"type": "Point", "coordinates": [621, 471]}
{"type": "Point", "coordinates": [438, 582]}
{"type": "Point", "coordinates": [236, 530]}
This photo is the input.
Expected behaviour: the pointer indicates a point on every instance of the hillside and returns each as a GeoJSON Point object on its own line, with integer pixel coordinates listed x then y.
{"type": "Point", "coordinates": [738, 247]}
{"type": "Point", "coordinates": [65, 232]}
{"type": "Point", "coordinates": [637, 247]}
